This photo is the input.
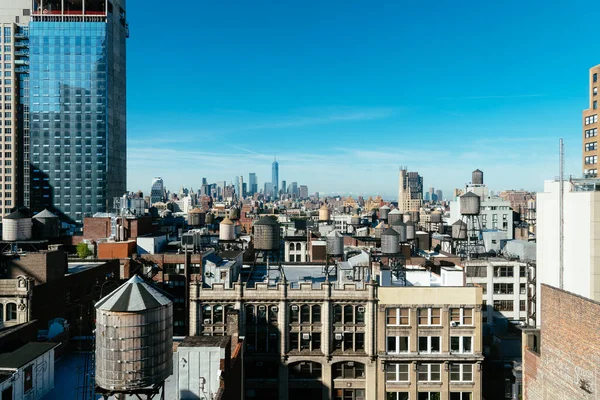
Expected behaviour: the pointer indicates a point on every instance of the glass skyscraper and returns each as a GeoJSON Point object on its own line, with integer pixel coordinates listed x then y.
{"type": "Point", "coordinates": [275, 178]}
{"type": "Point", "coordinates": [77, 120]}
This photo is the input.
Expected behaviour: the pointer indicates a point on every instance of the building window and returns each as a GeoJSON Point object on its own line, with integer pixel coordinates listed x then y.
{"type": "Point", "coordinates": [396, 396]}
{"type": "Point", "coordinates": [214, 313]}
{"type": "Point", "coordinates": [461, 344]}
{"type": "Point", "coordinates": [522, 306]}
{"type": "Point", "coordinates": [349, 370]}
{"type": "Point", "coordinates": [461, 372]}
{"type": "Point", "coordinates": [429, 396]}
{"type": "Point", "coordinates": [429, 344]}
{"type": "Point", "coordinates": [592, 119]}
{"type": "Point", "coordinates": [503, 272]}
{"type": "Point", "coordinates": [595, 78]}
{"type": "Point", "coordinates": [349, 394]}
{"type": "Point", "coordinates": [503, 288]}
{"type": "Point", "coordinates": [395, 372]}
{"type": "Point", "coordinates": [430, 372]}
{"type": "Point", "coordinates": [595, 105]}
{"type": "Point", "coordinates": [305, 313]}
{"type": "Point", "coordinates": [397, 316]}
{"type": "Point", "coordinates": [429, 316]}
{"type": "Point", "coordinates": [477, 271]}
{"type": "Point", "coordinates": [591, 146]}
{"type": "Point", "coordinates": [522, 288]}
{"type": "Point", "coordinates": [461, 396]}
{"type": "Point", "coordinates": [503, 305]}
{"type": "Point", "coordinates": [397, 344]}
{"type": "Point", "coordinates": [305, 341]}
{"type": "Point", "coordinates": [11, 312]}
{"type": "Point", "coordinates": [461, 316]}
{"type": "Point", "coordinates": [349, 314]}
{"type": "Point", "coordinates": [305, 370]}
{"type": "Point", "coordinates": [591, 159]}
{"type": "Point", "coordinates": [591, 132]}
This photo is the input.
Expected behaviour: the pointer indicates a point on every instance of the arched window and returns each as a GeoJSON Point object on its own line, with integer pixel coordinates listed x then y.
{"type": "Point", "coordinates": [1, 312]}
{"type": "Point", "coordinates": [305, 370]}
{"type": "Point", "coordinates": [291, 246]}
{"type": "Point", "coordinates": [11, 312]}
{"type": "Point", "coordinates": [297, 246]}
{"type": "Point", "coordinates": [349, 370]}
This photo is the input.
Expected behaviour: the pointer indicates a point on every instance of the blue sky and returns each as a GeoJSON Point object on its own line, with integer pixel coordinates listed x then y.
{"type": "Point", "coordinates": [344, 92]}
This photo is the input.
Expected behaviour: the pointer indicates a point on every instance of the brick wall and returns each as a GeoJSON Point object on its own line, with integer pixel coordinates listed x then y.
{"type": "Point", "coordinates": [567, 364]}
{"type": "Point", "coordinates": [96, 228]}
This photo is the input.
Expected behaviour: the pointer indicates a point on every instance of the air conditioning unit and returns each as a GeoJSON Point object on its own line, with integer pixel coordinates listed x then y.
{"type": "Point", "coordinates": [339, 336]}
{"type": "Point", "coordinates": [274, 308]}
{"type": "Point", "coordinates": [294, 308]}
{"type": "Point", "coordinates": [361, 309]}
{"type": "Point", "coordinates": [454, 323]}
{"type": "Point", "coordinates": [206, 321]}
{"type": "Point", "coordinates": [262, 308]}
{"type": "Point", "coordinates": [305, 336]}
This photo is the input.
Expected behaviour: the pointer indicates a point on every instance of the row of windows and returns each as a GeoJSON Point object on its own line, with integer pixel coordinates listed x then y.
{"type": "Point", "coordinates": [592, 119]}
{"type": "Point", "coordinates": [591, 132]}
{"type": "Point", "coordinates": [429, 344]}
{"type": "Point", "coordinates": [399, 372]}
{"type": "Point", "coordinates": [11, 312]}
{"type": "Point", "coordinates": [428, 316]}
{"type": "Point", "coordinates": [475, 271]}
{"type": "Point", "coordinates": [591, 146]}
{"type": "Point", "coordinates": [591, 159]}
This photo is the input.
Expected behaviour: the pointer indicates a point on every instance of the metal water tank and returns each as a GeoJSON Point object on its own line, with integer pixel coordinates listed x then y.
{"type": "Point", "coordinates": [323, 213]}
{"type": "Point", "coordinates": [16, 226]}
{"type": "Point", "coordinates": [469, 204]}
{"type": "Point", "coordinates": [379, 229]}
{"type": "Point", "coordinates": [394, 215]}
{"type": "Point", "coordinates": [134, 337]}
{"type": "Point", "coordinates": [355, 220]}
{"type": "Point", "coordinates": [226, 230]}
{"type": "Point", "coordinates": [477, 177]}
{"type": "Point", "coordinates": [390, 242]}
{"type": "Point", "coordinates": [436, 217]}
{"type": "Point", "coordinates": [46, 225]}
{"type": "Point", "coordinates": [383, 212]}
{"type": "Point", "coordinates": [400, 228]}
{"type": "Point", "coordinates": [210, 218]}
{"type": "Point", "coordinates": [335, 243]}
{"type": "Point", "coordinates": [459, 230]}
{"type": "Point", "coordinates": [266, 234]}
{"type": "Point", "coordinates": [196, 217]}
{"type": "Point", "coordinates": [410, 230]}
{"type": "Point", "coordinates": [234, 213]}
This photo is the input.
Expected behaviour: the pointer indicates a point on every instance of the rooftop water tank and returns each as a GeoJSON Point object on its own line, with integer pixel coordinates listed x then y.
{"type": "Point", "coordinates": [46, 225]}
{"type": "Point", "coordinates": [459, 230]}
{"type": "Point", "coordinates": [16, 226]}
{"type": "Point", "coordinates": [196, 217]}
{"type": "Point", "coordinates": [383, 212]}
{"type": "Point", "coordinates": [266, 234]}
{"type": "Point", "coordinates": [134, 337]}
{"type": "Point", "coordinates": [410, 230]}
{"type": "Point", "coordinates": [390, 242]}
{"type": "Point", "coordinates": [335, 243]}
{"type": "Point", "coordinates": [323, 213]}
{"type": "Point", "coordinates": [477, 177]}
{"type": "Point", "coordinates": [210, 218]}
{"type": "Point", "coordinates": [400, 228]}
{"type": "Point", "coordinates": [436, 217]}
{"type": "Point", "coordinates": [394, 215]}
{"type": "Point", "coordinates": [469, 204]}
{"type": "Point", "coordinates": [379, 229]}
{"type": "Point", "coordinates": [226, 230]}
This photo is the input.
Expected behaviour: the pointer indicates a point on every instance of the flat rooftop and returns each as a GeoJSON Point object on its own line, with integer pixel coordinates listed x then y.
{"type": "Point", "coordinates": [76, 267]}
{"type": "Point", "coordinates": [25, 354]}
{"type": "Point", "coordinates": [205, 341]}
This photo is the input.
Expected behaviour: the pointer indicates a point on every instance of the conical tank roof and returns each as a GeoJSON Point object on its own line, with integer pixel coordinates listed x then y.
{"type": "Point", "coordinates": [17, 214]}
{"type": "Point", "coordinates": [45, 214]}
{"type": "Point", "coordinates": [266, 221]}
{"type": "Point", "coordinates": [227, 221]}
{"type": "Point", "coordinates": [469, 194]}
{"type": "Point", "coordinates": [384, 208]}
{"type": "Point", "coordinates": [324, 207]}
{"type": "Point", "coordinates": [133, 295]}
{"type": "Point", "coordinates": [334, 233]}
{"type": "Point", "coordinates": [389, 232]}
{"type": "Point", "coordinates": [394, 211]}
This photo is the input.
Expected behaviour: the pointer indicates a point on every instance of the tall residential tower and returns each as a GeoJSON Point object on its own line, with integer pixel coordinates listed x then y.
{"type": "Point", "coordinates": [410, 191]}
{"type": "Point", "coordinates": [275, 178]}
{"type": "Point", "coordinates": [76, 101]}
{"type": "Point", "coordinates": [590, 128]}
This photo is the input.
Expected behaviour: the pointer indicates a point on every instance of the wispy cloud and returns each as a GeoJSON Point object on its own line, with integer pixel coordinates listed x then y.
{"type": "Point", "coordinates": [510, 96]}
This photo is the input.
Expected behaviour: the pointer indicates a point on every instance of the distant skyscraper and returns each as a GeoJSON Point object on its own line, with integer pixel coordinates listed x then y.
{"type": "Point", "coordinates": [293, 189]}
{"type": "Point", "coordinates": [439, 195]}
{"type": "Point", "coordinates": [591, 150]}
{"type": "Point", "coordinates": [410, 191]}
{"type": "Point", "coordinates": [427, 197]}
{"type": "Point", "coordinates": [303, 192]}
{"type": "Point", "coordinates": [431, 192]}
{"type": "Point", "coordinates": [283, 186]}
{"type": "Point", "coordinates": [77, 80]}
{"type": "Point", "coordinates": [239, 187]}
{"type": "Point", "coordinates": [204, 181]}
{"type": "Point", "coordinates": [268, 189]}
{"type": "Point", "coordinates": [275, 178]}
{"type": "Point", "coordinates": [252, 183]}
{"type": "Point", "coordinates": [157, 191]}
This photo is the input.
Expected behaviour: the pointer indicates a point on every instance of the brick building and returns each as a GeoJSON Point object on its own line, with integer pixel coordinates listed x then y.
{"type": "Point", "coordinates": [560, 361]}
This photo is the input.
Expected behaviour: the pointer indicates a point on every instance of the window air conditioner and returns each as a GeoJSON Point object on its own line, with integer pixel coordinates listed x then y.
{"type": "Point", "coordinates": [454, 323]}
{"type": "Point", "coordinates": [305, 336]}
{"type": "Point", "coordinates": [262, 308]}
{"type": "Point", "coordinates": [206, 321]}
{"type": "Point", "coordinates": [294, 308]}
{"type": "Point", "coordinates": [361, 309]}
{"type": "Point", "coordinates": [274, 308]}
{"type": "Point", "coordinates": [339, 336]}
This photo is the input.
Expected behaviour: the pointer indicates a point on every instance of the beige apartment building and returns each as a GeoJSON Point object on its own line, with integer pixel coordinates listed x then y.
{"type": "Point", "coordinates": [429, 343]}
{"type": "Point", "coordinates": [590, 128]}
{"type": "Point", "coordinates": [13, 83]}
{"type": "Point", "coordinates": [311, 337]}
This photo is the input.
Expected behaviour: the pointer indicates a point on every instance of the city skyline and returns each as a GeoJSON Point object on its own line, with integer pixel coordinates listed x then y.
{"type": "Point", "coordinates": [363, 104]}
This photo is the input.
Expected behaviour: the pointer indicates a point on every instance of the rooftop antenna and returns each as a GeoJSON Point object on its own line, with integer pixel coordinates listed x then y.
{"type": "Point", "coordinates": [561, 215]}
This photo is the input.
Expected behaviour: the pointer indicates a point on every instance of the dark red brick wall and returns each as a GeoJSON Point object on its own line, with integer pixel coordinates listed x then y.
{"type": "Point", "coordinates": [569, 352]}
{"type": "Point", "coordinates": [46, 266]}
{"type": "Point", "coordinates": [96, 228]}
